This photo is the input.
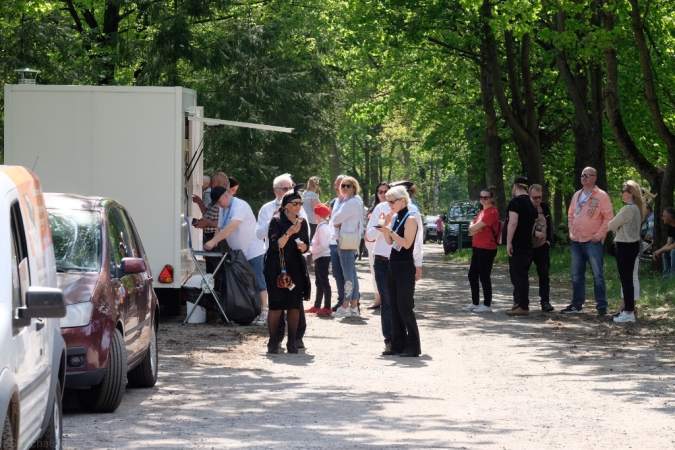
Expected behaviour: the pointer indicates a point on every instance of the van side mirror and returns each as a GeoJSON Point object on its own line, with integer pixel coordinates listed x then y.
{"type": "Point", "coordinates": [43, 302]}
{"type": "Point", "coordinates": [132, 265]}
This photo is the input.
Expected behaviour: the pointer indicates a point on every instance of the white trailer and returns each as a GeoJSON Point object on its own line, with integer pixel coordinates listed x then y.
{"type": "Point", "coordinates": [129, 143]}
{"type": "Point", "coordinates": [138, 145]}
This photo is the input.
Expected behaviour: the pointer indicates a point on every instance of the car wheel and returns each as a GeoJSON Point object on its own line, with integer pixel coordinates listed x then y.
{"type": "Point", "coordinates": [446, 247]}
{"type": "Point", "coordinates": [145, 374]}
{"type": "Point", "coordinates": [52, 437]}
{"type": "Point", "coordinates": [107, 395]}
{"type": "Point", "coordinates": [7, 441]}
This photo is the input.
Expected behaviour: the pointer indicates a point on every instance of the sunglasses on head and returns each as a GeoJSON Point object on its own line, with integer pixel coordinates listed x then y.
{"type": "Point", "coordinates": [625, 190]}
{"type": "Point", "coordinates": [488, 197]}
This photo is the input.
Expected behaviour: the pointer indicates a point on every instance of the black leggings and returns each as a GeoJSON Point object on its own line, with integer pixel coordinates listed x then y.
{"type": "Point", "coordinates": [626, 253]}
{"type": "Point", "coordinates": [321, 281]}
{"type": "Point", "coordinates": [480, 269]}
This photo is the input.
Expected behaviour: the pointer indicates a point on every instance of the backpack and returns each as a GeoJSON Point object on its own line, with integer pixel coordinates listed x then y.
{"type": "Point", "coordinates": [502, 232]}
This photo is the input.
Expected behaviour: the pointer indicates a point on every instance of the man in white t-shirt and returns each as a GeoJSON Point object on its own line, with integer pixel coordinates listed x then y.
{"type": "Point", "coordinates": [236, 223]}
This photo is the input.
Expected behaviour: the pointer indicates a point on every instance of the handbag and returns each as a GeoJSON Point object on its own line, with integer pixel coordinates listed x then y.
{"type": "Point", "coordinates": [284, 280]}
{"type": "Point", "coordinates": [349, 241]}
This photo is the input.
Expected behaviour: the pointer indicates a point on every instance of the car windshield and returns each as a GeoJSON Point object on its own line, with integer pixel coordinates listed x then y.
{"type": "Point", "coordinates": [463, 210]}
{"type": "Point", "coordinates": [77, 240]}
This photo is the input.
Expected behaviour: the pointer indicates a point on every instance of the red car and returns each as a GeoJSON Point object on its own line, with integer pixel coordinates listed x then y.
{"type": "Point", "coordinates": [112, 321]}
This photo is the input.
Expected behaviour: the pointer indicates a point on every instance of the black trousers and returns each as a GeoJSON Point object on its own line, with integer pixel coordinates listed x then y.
{"type": "Point", "coordinates": [211, 261]}
{"type": "Point", "coordinates": [323, 291]}
{"type": "Point", "coordinates": [626, 253]}
{"type": "Point", "coordinates": [519, 268]}
{"type": "Point", "coordinates": [302, 326]}
{"type": "Point", "coordinates": [479, 270]}
{"type": "Point", "coordinates": [401, 288]}
{"type": "Point", "coordinates": [541, 258]}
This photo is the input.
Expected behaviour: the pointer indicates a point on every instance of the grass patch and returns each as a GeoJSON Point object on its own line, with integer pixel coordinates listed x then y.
{"type": "Point", "coordinates": [656, 294]}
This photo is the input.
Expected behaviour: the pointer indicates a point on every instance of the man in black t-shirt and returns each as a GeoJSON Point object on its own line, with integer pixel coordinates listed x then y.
{"type": "Point", "coordinates": [668, 250]}
{"type": "Point", "coordinates": [522, 215]}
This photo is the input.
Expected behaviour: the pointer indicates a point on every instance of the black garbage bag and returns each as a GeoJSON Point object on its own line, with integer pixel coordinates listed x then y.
{"type": "Point", "coordinates": [238, 289]}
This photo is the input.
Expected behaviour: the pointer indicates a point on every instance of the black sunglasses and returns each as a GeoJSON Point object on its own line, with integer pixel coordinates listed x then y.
{"type": "Point", "coordinates": [485, 198]}
{"type": "Point", "coordinates": [347, 186]}
{"type": "Point", "coordinates": [381, 192]}
{"type": "Point", "coordinates": [285, 189]}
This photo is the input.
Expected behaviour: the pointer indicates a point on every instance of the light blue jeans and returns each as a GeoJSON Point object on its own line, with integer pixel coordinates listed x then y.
{"type": "Point", "coordinates": [348, 262]}
{"type": "Point", "coordinates": [337, 273]}
{"type": "Point", "coordinates": [668, 263]}
{"type": "Point", "coordinates": [591, 252]}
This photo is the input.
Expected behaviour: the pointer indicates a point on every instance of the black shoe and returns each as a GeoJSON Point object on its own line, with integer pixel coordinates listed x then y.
{"type": "Point", "coordinates": [602, 311]}
{"type": "Point", "coordinates": [273, 348]}
{"type": "Point", "coordinates": [546, 307]}
{"type": "Point", "coordinates": [337, 305]}
{"type": "Point", "coordinates": [299, 343]}
{"type": "Point", "coordinates": [292, 349]}
{"type": "Point", "coordinates": [390, 352]}
{"type": "Point", "coordinates": [571, 309]}
{"type": "Point", "coordinates": [408, 354]}
{"type": "Point", "coordinates": [373, 307]}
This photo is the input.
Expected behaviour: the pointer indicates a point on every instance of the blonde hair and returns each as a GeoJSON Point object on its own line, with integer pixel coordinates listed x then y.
{"type": "Point", "coordinates": [398, 192]}
{"type": "Point", "coordinates": [352, 181]}
{"type": "Point", "coordinates": [313, 183]}
{"type": "Point", "coordinates": [635, 191]}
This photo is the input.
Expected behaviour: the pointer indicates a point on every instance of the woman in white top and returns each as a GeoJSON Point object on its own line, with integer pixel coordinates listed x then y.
{"type": "Point", "coordinates": [347, 219]}
{"type": "Point", "coordinates": [380, 197]}
{"type": "Point", "coordinates": [309, 200]}
{"type": "Point", "coordinates": [626, 224]}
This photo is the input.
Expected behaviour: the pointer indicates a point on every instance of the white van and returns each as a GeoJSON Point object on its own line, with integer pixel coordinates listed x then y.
{"type": "Point", "coordinates": [33, 356]}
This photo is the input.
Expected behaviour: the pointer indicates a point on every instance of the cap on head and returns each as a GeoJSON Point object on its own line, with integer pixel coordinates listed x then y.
{"type": "Point", "coordinates": [217, 192]}
{"type": "Point", "coordinates": [322, 210]}
{"type": "Point", "coordinates": [522, 182]}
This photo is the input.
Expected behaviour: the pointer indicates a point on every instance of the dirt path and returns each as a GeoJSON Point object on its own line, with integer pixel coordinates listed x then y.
{"type": "Point", "coordinates": [484, 381]}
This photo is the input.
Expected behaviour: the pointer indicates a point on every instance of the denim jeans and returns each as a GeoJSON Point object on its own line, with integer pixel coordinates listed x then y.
{"type": "Point", "coordinates": [351, 281]}
{"type": "Point", "coordinates": [668, 264]}
{"type": "Point", "coordinates": [381, 267]}
{"type": "Point", "coordinates": [591, 252]}
{"type": "Point", "coordinates": [337, 273]}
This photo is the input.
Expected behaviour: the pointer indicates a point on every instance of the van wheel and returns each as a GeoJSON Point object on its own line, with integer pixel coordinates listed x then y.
{"type": "Point", "coordinates": [107, 395]}
{"type": "Point", "coordinates": [144, 375]}
{"type": "Point", "coordinates": [7, 442]}
{"type": "Point", "coordinates": [52, 437]}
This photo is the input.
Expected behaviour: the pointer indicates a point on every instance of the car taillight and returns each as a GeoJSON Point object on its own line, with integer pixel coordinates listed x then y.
{"type": "Point", "coordinates": [167, 274]}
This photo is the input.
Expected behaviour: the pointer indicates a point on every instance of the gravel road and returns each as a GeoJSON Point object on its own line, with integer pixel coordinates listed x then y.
{"type": "Point", "coordinates": [487, 381]}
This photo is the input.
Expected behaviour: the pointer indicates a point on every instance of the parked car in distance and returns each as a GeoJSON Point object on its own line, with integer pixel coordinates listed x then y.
{"type": "Point", "coordinates": [113, 313]}
{"type": "Point", "coordinates": [33, 353]}
{"type": "Point", "coordinates": [430, 229]}
{"type": "Point", "coordinates": [462, 214]}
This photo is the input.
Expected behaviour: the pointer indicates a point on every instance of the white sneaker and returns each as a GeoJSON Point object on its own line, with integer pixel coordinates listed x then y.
{"type": "Point", "coordinates": [625, 317]}
{"type": "Point", "coordinates": [261, 321]}
{"type": "Point", "coordinates": [342, 312]}
{"type": "Point", "coordinates": [482, 309]}
{"type": "Point", "coordinates": [471, 307]}
{"type": "Point", "coordinates": [354, 312]}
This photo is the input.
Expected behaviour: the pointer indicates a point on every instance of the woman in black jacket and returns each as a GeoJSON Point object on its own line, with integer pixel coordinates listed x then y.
{"type": "Point", "coordinates": [541, 245]}
{"type": "Point", "coordinates": [288, 238]}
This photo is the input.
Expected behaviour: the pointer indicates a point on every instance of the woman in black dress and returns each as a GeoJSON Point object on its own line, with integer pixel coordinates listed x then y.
{"type": "Point", "coordinates": [288, 236]}
{"type": "Point", "coordinates": [399, 232]}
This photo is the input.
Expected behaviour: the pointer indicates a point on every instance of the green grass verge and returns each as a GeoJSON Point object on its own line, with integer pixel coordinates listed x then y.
{"type": "Point", "coordinates": [655, 292]}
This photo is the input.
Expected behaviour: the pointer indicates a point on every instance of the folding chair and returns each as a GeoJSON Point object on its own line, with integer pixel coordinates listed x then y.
{"type": "Point", "coordinates": [645, 251]}
{"type": "Point", "coordinates": [208, 280]}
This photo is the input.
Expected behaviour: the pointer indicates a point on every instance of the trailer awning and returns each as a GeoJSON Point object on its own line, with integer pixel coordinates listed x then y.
{"type": "Point", "coordinates": [257, 126]}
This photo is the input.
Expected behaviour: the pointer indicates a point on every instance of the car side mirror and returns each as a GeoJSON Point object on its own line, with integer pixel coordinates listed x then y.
{"type": "Point", "coordinates": [43, 302]}
{"type": "Point", "coordinates": [132, 265]}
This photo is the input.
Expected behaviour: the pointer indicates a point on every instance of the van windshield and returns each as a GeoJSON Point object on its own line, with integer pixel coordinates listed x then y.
{"type": "Point", "coordinates": [77, 240]}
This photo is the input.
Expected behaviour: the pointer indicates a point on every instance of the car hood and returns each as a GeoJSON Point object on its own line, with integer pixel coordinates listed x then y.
{"type": "Point", "coordinates": [462, 219]}
{"type": "Point", "coordinates": [77, 287]}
